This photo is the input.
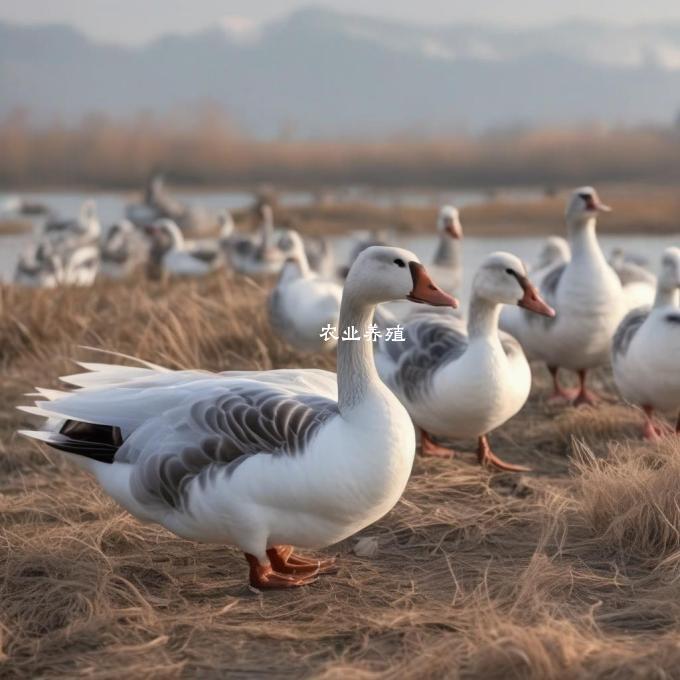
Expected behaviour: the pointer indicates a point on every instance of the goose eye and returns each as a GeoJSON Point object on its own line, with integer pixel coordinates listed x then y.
{"type": "Point", "coordinates": [399, 262]}
{"type": "Point", "coordinates": [510, 271]}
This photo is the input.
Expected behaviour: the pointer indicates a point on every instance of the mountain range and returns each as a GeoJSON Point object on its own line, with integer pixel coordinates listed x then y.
{"type": "Point", "coordinates": [318, 72]}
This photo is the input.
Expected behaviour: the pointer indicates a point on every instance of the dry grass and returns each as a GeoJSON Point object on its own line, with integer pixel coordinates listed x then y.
{"type": "Point", "coordinates": [570, 572]}
{"type": "Point", "coordinates": [102, 152]}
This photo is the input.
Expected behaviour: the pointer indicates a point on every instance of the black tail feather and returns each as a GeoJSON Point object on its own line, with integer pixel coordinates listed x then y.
{"type": "Point", "coordinates": [92, 440]}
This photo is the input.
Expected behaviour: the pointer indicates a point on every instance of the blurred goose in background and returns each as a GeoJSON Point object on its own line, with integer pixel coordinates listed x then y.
{"type": "Point", "coordinates": [262, 460]}
{"type": "Point", "coordinates": [639, 284]}
{"type": "Point", "coordinates": [39, 267]}
{"type": "Point", "coordinates": [169, 253]}
{"type": "Point", "coordinates": [318, 252]}
{"type": "Point", "coordinates": [555, 252]}
{"type": "Point", "coordinates": [447, 266]}
{"type": "Point", "coordinates": [122, 251]}
{"type": "Point", "coordinates": [646, 350]}
{"type": "Point", "coordinates": [80, 266]}
{"type": "Point", "coordinates": [68, 234]}
{"type": "Point", "coordinates": [457, 381]}
{"type": "Point", "coordinates": [361, 241]}
{"type": "Point", "coordinates": [302, 304]}
{"type": "Point", "coordinates": [258, 254]}
{"type": "Point", "coordinates": [320, 256]}
{"type": "Point", "coordinates": [588, 298]}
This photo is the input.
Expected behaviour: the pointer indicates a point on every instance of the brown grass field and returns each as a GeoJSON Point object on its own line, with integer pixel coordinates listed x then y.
{"type": "Point", "coordinates": [205, 149]}
{"type": "Point", "coordinates": [572, 571]}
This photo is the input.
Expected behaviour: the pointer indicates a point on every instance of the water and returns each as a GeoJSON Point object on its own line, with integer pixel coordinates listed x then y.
{"type": "Point", "coordinates": [111, 206]}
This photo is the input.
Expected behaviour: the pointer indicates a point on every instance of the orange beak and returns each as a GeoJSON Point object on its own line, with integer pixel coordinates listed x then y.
{"type": "Point", "coordinates": [425, 291]}
{"type": "Point", "coordinates": [531, 299]}
{"type": "Point", "coordinates": [452, 228]}
{"type": "Point", "coordinates": [595, 204]}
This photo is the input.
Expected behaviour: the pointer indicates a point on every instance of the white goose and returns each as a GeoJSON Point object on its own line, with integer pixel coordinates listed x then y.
{"type": "Point", "coordinates": [302, 304]}
{"type": "Point", "coordinates": [646, 349]}
{"type": "Point", "coordinates": [72, 233]}
{"type": "Point", "coordinates": [639, 284]}
{"type": "Point", "coordinates": [122, 251]}
{"type": "Point", "coordinates": [447, 267]}
{"type": "Point", "coordinates": [588, 298]}
{"type": "Point", "coordinates": [554, 253]}
{"type": "Point", "coordinates": [80, 266]}
{"type": "Point", "coordinates": [39, 267]}
{"type": "Point", "coordinates": [258, 255]}
{"type": "Point", "coordinates": [464, 384]}
{"type": "Point", "coordinates": [260, 460]}
{"type": "Point", "coordinates": [170, 253]}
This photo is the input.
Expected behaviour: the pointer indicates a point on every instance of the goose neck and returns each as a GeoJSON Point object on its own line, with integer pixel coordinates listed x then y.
{"type": "Point", "coordinates": [666, 296]}
{"type": "Point", "coordinates": [483, 318]}
{"type": "Point", "coordinates": [357, 375]}
{"type": "Point", "coordinates": [448, 251]}
{"type": "Point", "coordinates": [583, 240]}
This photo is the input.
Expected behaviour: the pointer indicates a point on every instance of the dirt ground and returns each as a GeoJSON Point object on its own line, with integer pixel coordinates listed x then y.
{"type": "Point", "coordinates": [571, 571]}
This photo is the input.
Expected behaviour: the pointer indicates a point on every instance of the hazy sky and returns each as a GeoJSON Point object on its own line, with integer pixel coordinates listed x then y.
{"type": "Point", "coordinates": [135, 21]}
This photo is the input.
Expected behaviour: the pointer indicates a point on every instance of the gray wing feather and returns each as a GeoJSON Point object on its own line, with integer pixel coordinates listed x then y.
{"type": "Point", "coordinates": [429, 344]}
{"type": "Point", "coordinates": [627, 329]}
{"type": "Point", "coordinates": [220, 433]}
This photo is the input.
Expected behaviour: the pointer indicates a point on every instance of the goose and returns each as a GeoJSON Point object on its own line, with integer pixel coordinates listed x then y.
{"type": "Point", "coordinates": [170, 253]}
{"type": "Point", "coordinates": [71, 233]}
{"type": "Point", "coordinates": [588, 298]}
{"type": "Point", "coordinates": [447, 269]}
{"type": "Point", "coordinates": [302, 304]}
{"type": "Point", "coordinates": [639, 284]}
{"type": "Point", "coordinates": [555, 252]}
{"type": "Point", "coordinates": [258, 255]}
{"type": "Point", "coordinates": [646, 348]}
{"type": "Point", "coordinates": [122, 251]}
{"type": "Point", "coordinates": [39, 267]}
{"type": "Point", "coordinates": [362, 240]}
{"type": "Point", "coordinates": [464, 381]}
{"type": "Point", "coordinates": [261, 460]}
{"type": "Point", "coordinates": [80, 266]}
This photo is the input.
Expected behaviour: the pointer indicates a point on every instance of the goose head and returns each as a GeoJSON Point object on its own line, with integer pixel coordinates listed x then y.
{"type": "Point", "coordinates": [384, 273]}
{"type": "Point", "coordinates": [448, 222]}
{"type": "Point", "coordinates": [164, 235]}
{"type": "Point", "coordinates": [502, 279]}
{"type": "Point", "coordinates": [669, 277]}
{"type": "Point", "coordinates": [584, 205]}
{"type": "Point", "coordinates": [292, 244]}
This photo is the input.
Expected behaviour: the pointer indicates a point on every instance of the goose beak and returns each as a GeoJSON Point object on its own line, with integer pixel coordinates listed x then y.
{"type": "Point", "coordinates": [596, 205]}
{"type": "Point", "coordinates": [425, 291]}
{"type": "Point", "coordinates": [531, 299]}
{"type": "Point", "coordinates": [453, 229]}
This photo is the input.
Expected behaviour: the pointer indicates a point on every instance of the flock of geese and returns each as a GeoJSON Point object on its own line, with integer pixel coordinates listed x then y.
{"type": "Point", "coordinates": [276, 461]}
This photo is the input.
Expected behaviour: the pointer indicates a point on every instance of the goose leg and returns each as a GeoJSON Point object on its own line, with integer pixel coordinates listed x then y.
{"type": "Point", "coordinates": [430, 448]}
{"type": "Point", "coordinates": [560, 394]}
{"type": "Point", "coordinates": [677, 425]}
{"type": "Point", "coordinates": [488, 458]}
{"type": "Point", "coordinates": [649, 431]}
{"type": "Point", "coordinates": [264, 577]}
{"type": "Point", "coordinates": [585, 396]}
{"type": "Point", "coordinates": [285, 561]}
